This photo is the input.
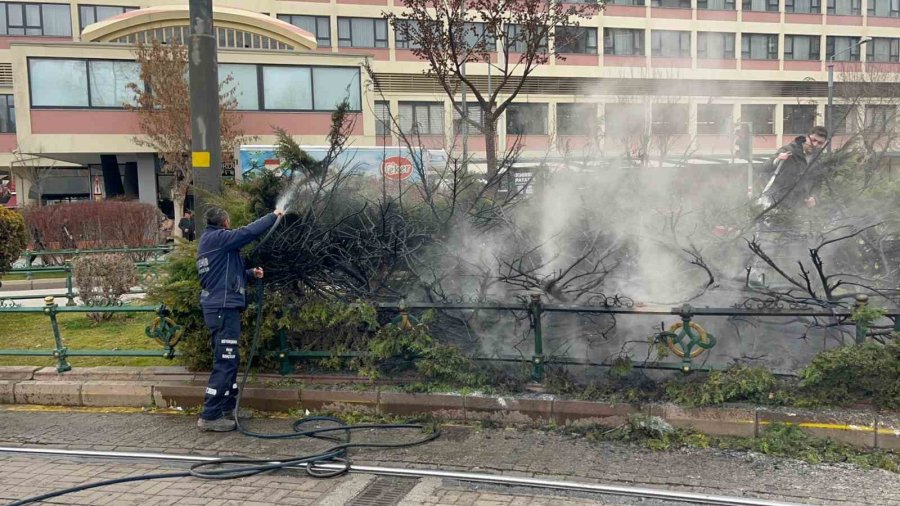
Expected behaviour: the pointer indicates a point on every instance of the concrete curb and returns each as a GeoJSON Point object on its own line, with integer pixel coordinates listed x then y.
{"type": "Point", "coordinates": [172, 387]}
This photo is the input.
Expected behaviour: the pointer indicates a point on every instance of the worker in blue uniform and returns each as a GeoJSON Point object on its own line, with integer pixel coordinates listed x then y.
{"type": "Point", "coordinates": [223, 280]}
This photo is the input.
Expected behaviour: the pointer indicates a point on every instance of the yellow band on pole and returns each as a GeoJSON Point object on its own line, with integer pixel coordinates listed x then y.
{"type": "Point", "coordinates": [200, 159]}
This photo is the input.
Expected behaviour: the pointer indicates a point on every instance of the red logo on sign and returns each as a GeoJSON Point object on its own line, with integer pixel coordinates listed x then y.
{"type": "Point", "coordinates": [396, 168]}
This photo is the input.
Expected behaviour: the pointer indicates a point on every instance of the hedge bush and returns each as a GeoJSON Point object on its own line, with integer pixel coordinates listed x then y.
{"type": "Point", "coordinates": [93, 225]}
{"type": "Point", "coordinates": [15, 239]}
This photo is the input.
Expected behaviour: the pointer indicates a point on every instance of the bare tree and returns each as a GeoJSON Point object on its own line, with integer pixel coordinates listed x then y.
{"type": "Point", "coordinates": [162, 101]}
{"type": "Point", "coordinates": [34, 169]}
{"type": "Point", "coordinates": [449, 35]}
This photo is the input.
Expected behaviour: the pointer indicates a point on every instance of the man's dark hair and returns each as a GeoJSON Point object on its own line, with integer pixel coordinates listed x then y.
{"type": "Point", "coordinates": [216, 216]}
{"type": "Point", "coordinates": [820, 131]}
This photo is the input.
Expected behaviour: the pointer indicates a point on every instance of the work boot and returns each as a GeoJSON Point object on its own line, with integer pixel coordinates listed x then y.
{"type": "Point", "coordinates": [218, 425]}
{"type": "Point", "coordinates": [243, 414]}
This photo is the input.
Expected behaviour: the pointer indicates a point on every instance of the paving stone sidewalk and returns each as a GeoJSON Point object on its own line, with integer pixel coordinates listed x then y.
{"type": "Point", "coordinates": [510, 451]}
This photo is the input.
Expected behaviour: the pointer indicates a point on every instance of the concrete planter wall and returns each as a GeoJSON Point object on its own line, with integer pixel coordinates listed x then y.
{"type": "Point", "coordinates": [171, 387]}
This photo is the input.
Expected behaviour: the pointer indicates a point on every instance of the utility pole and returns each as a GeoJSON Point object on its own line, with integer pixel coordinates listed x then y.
{"type": "Point", "coordinates": [206, 144]}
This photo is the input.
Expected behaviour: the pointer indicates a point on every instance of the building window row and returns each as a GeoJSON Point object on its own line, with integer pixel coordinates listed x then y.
{"type": "Point", "coordinates": [89, 14]}
{"type": "Point", "coordinates": [71, 83]}
{"type": "Point", "coordinates": [754, 46]}
{"type": "Point", "coordinates": [876, 8]}
{"type": "Point", "coordinates": [579, 119]}
{"type": "Point", "coordinates": [51, 20]}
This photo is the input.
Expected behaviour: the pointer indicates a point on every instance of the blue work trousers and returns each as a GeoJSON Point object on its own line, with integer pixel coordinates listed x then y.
{"type": "Point", "coordinates": [221, 392]}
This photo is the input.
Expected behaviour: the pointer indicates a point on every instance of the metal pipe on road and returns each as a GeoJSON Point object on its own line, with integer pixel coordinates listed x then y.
{"type": "Point", "coordinates": [493, 479]}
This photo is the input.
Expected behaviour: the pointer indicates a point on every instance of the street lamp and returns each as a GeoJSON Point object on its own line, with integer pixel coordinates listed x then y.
{"type": "Point", "coordinates": [829, 114]}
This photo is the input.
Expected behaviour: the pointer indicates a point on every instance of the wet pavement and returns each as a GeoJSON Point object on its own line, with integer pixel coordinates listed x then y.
{"type": "Point", "coordinates": [513, 451]}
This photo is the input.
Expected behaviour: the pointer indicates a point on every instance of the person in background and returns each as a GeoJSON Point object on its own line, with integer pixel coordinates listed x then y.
{"type": "Point", "coordinates": [186, 225]}
{"type": "Point", "coordinates": [792, 181]}
{"type": "Point", "coordinates": [223, 279]}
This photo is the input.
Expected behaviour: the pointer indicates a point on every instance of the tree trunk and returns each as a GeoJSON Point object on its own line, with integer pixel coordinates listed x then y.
{"type": "Point", "coordinates": [179, 195]}
{"type": "Point", "coordinates": [490, 148]}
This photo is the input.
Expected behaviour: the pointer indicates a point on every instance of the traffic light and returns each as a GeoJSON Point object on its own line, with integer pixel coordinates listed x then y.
{"type": "Point", "coordinates": [743, 142]}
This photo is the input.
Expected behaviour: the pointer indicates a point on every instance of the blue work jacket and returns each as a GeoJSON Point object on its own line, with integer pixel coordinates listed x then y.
{"type": "Point", "coordinates": [223, 276]}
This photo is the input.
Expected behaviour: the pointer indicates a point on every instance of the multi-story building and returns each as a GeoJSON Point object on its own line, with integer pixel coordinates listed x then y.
{"type": "Point", "coordinates": [685, 68]}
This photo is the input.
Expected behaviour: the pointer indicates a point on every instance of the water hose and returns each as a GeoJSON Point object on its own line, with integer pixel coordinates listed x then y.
{"type": "Point", "coordinates": [238, 467]}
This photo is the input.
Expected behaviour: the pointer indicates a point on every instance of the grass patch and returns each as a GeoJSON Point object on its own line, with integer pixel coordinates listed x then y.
{"type": "Point", "coordinates": [777, 440]}
{"type": "Point", "coordinates": [17, 276]}
{"type": "Point", "coordinates": [124, 331]}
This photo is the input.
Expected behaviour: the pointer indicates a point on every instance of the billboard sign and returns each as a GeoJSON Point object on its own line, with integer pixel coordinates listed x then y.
{"type": "Point", "coordinates": [392, 163]}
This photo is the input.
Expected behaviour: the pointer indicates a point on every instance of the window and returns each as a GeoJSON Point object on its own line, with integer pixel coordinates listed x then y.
{"type": "Point", "coordinates": [225, 37]}
{"type": "Point", "coordinates": [109, 82]}
{"type": "Point", "coordinates": [678, 4]}
{"type": "Point", "coordinates": [803, 6]}
{"type": "Point", "coordinates": [623, 42]}
{"type": "Point", "coordinates": [60, 83]}
{"type": "Point", "coordinates": [52, 20]}
{"type": "Point", "coordinates": [715, 119]}
{"type": "Point", "coordinates": [90, 14]}
{"type": "Point", "coordinates": [576, 40]}
{"type": "Point", "coordinates": [844, 7]}
{"type": "Point", "coordinates": [476, 37]}
{"type": "Point", "coordinates": [842, 48]}
{"type": "Point", "coordinates": [526, 119]}
{"type": "Point", "coordinates": [319, 26]}
{"type": "Point", "coordinates": [760, 117]}
{"type": "Point", "coordinates": [845, 118]}
{"type": "Point", "coordinates": [362, 32]}
{"type": "Point", "coordinates": [517, 39]}
{"type": "Point", "coordinates": [715, 46]}
{"type": "Point", "coordinates": [759, 46]}
{"type": "Point", "coordinates": [475, 114]}
{"type": "Point", "coordinates": [382, 118]}
{"type": "Point", "coordinates": [884, 8]}
{"type": "Point", "coordinates": [576, 119]}
{"type": "Point", "coordinates": [716, 5]}
{"type": "Point", "coordinates": [291, 88]}
{"type": "Point", "coordinates": [7, 114]}
{"type": "Point", "coordinates": [882, 49]}
{"type": "Point", "coordinates": [626, 2]}
{"type": "Point", "coordinates": [799, 119]}
{"type": "Point", "coordinates": [287, 88]}
{"type": "Point", "coordinates": [244, 82]}
{"type": "Point", "coordinates": [881, 118]}
{"type": "Point", "coordinates": [421, 118]}
{"type": "Point", "coordinates": [801, 47]}
{"type": "Point", "coordinates": [624, 119]}
{"type": "Point", "coordinates": [332, 85]}
{"type": "Point", "coordinates": [671, 119]}
{"type": "Point", "coordinates": [64, 82]}
{"type": "Point", "coordinates": [760, 5]}
{"type": "Point", "coordinates": [670, 44]}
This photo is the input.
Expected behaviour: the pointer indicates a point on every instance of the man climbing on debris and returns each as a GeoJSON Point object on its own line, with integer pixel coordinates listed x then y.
{"type": "Point", "coordinates": [792, 179]}
{"type": "Point", "coordinates": [223, 279]}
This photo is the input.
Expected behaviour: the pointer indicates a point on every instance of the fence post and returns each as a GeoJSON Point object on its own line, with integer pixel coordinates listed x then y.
{"type": "Point", "coordinates": [70, 292]}
{"type": "Point", "coordinates": [862, 328]}
{"type": "Point", "coordinates": [286, 366]}
{"type": "Point", "coordinates": [29, 260]}
{"type": "Point", "coordinates": [61, 351]}
{"type": "Point", "coordinates": [535, 308]}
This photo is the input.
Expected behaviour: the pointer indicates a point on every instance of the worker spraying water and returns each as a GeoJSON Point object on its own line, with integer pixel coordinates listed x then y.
{"type": "Point", "coordinates": [223, 279]}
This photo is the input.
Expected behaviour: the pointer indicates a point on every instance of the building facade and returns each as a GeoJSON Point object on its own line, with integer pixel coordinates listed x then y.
{"type": "Point", "coordinates": [687, 69]}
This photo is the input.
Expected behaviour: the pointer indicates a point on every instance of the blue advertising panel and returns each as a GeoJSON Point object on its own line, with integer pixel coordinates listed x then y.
{"type": "Point", "coordinates": [393, 163]}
